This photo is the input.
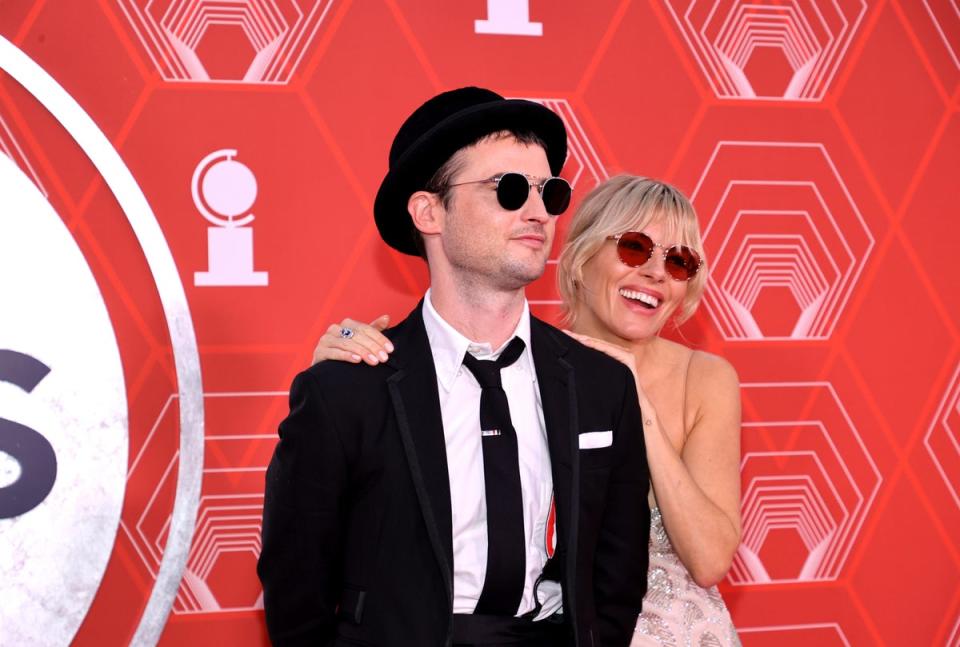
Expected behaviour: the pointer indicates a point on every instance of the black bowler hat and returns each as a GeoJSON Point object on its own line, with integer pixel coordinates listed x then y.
{"type": "Point", "coordinates": [438, 129]}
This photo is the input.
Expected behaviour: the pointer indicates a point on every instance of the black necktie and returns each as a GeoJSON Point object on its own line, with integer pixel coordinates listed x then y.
{"type": "Point", "coordinates": [506, 548]}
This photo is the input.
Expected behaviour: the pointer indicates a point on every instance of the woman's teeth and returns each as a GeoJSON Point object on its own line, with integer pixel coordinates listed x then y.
{"type": "Point", "coordinates": [642, 297]}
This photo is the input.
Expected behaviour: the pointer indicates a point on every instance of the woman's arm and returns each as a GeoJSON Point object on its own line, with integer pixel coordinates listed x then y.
{"type": "Point", "coordinates": [698, 488]}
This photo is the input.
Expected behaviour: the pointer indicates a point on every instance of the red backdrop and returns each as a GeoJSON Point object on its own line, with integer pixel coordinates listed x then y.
{"type": "Point", "coordinates": [820, 142]}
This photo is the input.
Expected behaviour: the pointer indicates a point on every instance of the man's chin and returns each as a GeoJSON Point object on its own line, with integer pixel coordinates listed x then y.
{"type": "Point", "coordinates": [520, 276]}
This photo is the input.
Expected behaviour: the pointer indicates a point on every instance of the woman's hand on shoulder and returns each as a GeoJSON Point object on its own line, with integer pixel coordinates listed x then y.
{"type": "Point", "coordinates": [619, 353]}
{"type": "Point", "coordinates": [364, 342]}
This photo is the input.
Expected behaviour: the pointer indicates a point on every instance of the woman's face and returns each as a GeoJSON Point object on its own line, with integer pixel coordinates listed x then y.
{"type": "Point", "coordinates": [627, 304]}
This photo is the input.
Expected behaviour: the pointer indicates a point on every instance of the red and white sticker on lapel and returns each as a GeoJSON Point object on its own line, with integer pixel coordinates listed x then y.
{"type": "Point", "coordinates": [550, 532]}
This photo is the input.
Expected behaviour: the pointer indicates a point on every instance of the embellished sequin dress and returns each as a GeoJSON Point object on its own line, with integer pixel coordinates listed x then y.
{"type": "Point", "coordinates": [676, 610]}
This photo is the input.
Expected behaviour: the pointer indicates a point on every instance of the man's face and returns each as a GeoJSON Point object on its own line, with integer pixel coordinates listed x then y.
{"type": "Point", "coordinates": [482, 241]}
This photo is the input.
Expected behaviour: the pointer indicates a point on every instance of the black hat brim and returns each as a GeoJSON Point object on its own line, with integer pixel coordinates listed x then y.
{"type": "Point", "coordinates": [430, 151]}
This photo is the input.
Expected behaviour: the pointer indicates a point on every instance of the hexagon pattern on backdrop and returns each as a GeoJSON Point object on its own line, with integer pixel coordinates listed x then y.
{"type": "Point", "coordinates": [818, 141]}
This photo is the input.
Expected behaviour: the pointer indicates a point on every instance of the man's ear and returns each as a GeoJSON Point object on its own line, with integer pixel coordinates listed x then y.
{"type": "Point", "coordinates": [427, 212]}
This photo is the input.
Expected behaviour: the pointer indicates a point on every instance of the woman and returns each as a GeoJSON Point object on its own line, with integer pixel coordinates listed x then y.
{"type": "Point", "coordinates": [631, 264]}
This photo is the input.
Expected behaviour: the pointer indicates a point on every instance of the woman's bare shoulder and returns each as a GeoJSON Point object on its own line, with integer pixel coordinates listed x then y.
{"type": "Point", "coordinates": [713, 394]}
{"type": "Point", "coordinates": [710, 368]}
{"type": "Point", "coordinates": [699, 365]}
{"type": "Point", "coordinates": [713, 385]}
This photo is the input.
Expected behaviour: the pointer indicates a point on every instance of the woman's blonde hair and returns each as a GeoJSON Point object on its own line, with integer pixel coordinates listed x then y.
{"type": "Point", "coordinates": [628, 203]}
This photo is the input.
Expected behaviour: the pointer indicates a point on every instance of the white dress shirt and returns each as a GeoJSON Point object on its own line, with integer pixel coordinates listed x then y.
{"type": "Point", "coordinates": [460, 410]}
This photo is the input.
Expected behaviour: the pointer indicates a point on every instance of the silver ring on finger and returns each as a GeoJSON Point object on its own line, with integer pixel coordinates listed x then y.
{"type": "Point", "coordinates": [346, 333]}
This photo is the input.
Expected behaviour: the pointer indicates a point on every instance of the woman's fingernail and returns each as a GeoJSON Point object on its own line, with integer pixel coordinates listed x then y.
{"type": "Point", "coordinates": [373, 358]}
{"type": "Point", "coordinates": [383, 356]}
{"type": "Point", "coordinates": [389, 347]}
{"type": "Point", "coordinates": [355, 357]}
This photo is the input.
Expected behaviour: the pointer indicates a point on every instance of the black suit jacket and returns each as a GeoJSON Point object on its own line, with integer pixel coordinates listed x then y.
{"type": "Point", "coordinates": [357, 539]}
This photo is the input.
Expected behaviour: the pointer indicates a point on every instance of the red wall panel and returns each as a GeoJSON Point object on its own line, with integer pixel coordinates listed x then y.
{"type": "Point", "coordinates": [818, 140]}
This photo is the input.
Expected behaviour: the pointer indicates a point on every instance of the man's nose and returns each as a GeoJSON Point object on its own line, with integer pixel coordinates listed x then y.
{"type": "Point", "coordinates": [534, 209]}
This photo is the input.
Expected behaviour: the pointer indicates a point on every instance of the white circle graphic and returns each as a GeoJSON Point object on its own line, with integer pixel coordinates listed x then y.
{"type": "Point", "coordinates": [53, 555]}
{"type": "Point", "coordinates": [91, 140]}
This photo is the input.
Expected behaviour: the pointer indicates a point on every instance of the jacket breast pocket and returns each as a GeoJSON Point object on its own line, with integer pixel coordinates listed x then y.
{"type": "Point", "coordinates": [596, 449]}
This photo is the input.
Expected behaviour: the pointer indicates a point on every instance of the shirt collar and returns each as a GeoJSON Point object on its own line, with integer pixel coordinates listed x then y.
{"type": "Point", "coordinates": [449, 346]}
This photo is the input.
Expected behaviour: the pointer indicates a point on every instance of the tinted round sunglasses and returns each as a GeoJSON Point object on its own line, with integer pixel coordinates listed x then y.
{"type": "Point", "coordinates": [635, 248]}
{"type": "Point", "coordinates": [513, 189]}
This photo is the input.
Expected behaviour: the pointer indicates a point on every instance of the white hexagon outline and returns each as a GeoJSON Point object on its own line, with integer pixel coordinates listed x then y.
{"type": "Point", "coordinates": [746, 554]}
{"type": "Point", "coordinates": [809, 292]}
{"type": "Point", "coordinates": [276, 60]}
{"type": "Point", "coordinates": [753, 332]}
{"type": "Point", "coordinates": [829, 312]}
{"type": "Point", "coordinates": [949, 403]}
{"type": "Point", "coordinates": [859, 514]}
{"type": "Point", "coordinates": [728, 80]}
{"type": "Point", "coordinates": [149, 548]}
{"type": "Point", "coordinates": [951, 50]}
{"type": "Point", "coordinates": [195, 595]}
{"type": "Point", "coordinates": [580, 148]}
{"type": "Point", "coordinates": [797, 627]}
{"type": "Point", "coordinates": [822, 530]}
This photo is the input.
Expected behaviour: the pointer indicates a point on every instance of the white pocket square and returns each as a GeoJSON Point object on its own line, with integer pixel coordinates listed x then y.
{"type": "Point", "coordinates": [596, 439]}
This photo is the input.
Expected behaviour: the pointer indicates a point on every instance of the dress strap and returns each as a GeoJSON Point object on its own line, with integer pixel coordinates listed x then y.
{"type": "Point", "coordinates": [686, 381]}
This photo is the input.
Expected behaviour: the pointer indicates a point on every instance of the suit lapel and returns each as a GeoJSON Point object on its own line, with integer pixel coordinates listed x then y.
{"type": "Point", "coordinates": [413, 391]}
{"type": "Point", "coordinates": [555, 376]}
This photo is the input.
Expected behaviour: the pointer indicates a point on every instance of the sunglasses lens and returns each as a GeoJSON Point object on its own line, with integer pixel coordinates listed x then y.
{"type": "Point", "coordinates": [556, 195]}
{"type": "Point", "coordinates": [634, 248]}
{"type": "Point", "coordinates": [681, 262]}
{"type": "Point", "coordinates": [512, 191]}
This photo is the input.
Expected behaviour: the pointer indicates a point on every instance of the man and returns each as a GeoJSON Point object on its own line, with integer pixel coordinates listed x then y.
{"type": "Point", "coordinates": [486, 485]}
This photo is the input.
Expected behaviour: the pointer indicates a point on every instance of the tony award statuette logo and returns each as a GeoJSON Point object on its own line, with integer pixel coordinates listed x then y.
{"type": "Point", "coordinates": [223, 189]}
{"type": "Point", "coordinates": [508, 18]}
